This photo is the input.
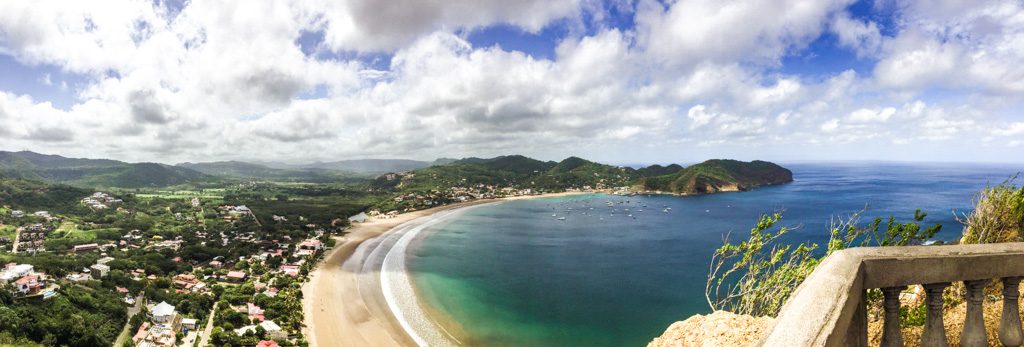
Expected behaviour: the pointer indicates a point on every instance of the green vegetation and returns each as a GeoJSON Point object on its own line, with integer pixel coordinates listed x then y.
{"type": "Point", "coordinates": [95, 172]}
{"type": "Point", "coordinates": [719, 175]}
{"type": "Point", "coordinates": [757, 275]}
{"type": "Point", "coordinates": [78, 316]}
{"type": "Point", "coordinates": [998, 215]}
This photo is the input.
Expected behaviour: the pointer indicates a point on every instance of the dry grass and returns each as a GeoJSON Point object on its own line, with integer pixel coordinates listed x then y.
{"type": "Point", "coordinates": [952, 317]}
{"type": "Point", "coordinates": [998, 215]}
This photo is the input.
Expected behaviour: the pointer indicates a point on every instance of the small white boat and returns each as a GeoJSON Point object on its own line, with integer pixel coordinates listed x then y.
{"type": "Point", "coordinates": [561, 218]}
{"type": "Point", "coordinates": [554, 215]}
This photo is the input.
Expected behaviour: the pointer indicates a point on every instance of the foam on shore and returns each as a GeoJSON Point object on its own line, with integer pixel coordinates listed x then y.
{"type": "Point", "coordinates": [397, 286]}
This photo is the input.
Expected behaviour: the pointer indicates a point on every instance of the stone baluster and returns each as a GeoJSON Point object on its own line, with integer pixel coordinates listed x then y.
{"type": "Point", "coordinates": [1009, 327]}
{"type": "Point", "coordinates": [974, 325]}
{"type": "Point", "coordinates": [892, 336]}
{"type": "Point", "coordinates": [934, 334]}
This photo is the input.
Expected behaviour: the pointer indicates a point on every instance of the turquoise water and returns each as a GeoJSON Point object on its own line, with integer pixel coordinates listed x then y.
{"type": "Point", "coordinates": [512, 275]}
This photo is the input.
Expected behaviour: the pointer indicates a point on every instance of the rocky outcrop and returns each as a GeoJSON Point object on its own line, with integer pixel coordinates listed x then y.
{"type": "Point", "coordinates": [717, 329]}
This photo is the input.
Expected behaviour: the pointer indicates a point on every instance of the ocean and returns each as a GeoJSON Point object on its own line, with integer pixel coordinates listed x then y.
{"type": "Point", "coordinates": [512, 274]}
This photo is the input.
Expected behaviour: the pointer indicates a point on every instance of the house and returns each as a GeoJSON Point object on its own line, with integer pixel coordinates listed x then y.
{"type": "Point", "coordinates": [255, 312]}
{"type": "Point", "coordinates": [104, 260]}
{"type": "Point", "coordinates": [17, 213]}
{"type": "Point", "coordinates": [237, 276]}
{"type": "Point", "coordinates": [78, 277]}
{"type": "Point", "coordinates": [273, 330]}
{"type": "Point", "coordinates": [267, 343]}
{"type": "Point", "coordinates": [99, 270]}
{"type": "Point", "coordinates": [12, 271]}
{"type": "Point", "coordinates": [30, 284]}
{"type": "Point", "coordinates": [86, 247]}
{"type": "Point", "coordinates": [195, 202]}
{"type": "Point", "coordinates": [216, 264]}
{"type": "Point", "coordinates": [311, 244]}
{"type": "Point", "coordinates": [162, 313]}
{"type": "Point", "coordinates": [359, 218]}
{"type": "Point", "coordinates": [189, 323]}
{"type": "Point", "coordinates": [290, 270]}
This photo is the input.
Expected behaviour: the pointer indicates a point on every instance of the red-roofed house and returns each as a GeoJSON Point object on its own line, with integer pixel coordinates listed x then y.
{"type": "Point", "coordinates": [290, 270]}
{"type": "Point", "coordinates": [269, 343]}
{"type": "Point", "coordinates": [311, 244]}
{"type": "Point", "coordinates": [30, 284]}
{"type": "Point", "coordinates": [236, 276]}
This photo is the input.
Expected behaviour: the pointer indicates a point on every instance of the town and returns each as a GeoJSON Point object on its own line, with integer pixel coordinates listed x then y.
{"type": "Point", "coordinates": [183, 272]}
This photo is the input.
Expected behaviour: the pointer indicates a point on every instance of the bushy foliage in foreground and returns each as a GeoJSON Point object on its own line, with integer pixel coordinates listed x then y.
{"type": "Point", "coordinates": [756, 276]}
{"type": "Point", "coordinates": [998, 215]}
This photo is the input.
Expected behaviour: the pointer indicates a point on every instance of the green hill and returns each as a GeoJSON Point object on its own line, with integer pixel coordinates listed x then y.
{"type": "Point", "coordinates": [95, 172]}
{"type": "Point", "coordinates": [511, 171]}
{"type": "Point", "coordinates": [719, 175]}
{"type": "Point", "coordinates": [658, 170]}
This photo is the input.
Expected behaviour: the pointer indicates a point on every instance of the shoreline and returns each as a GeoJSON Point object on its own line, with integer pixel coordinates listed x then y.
{"type": "Point", "coordinates": [344, 302]}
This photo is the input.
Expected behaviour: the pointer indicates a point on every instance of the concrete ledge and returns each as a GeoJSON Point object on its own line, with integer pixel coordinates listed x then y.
{"type": "Point", "coordinates": [827, 309]}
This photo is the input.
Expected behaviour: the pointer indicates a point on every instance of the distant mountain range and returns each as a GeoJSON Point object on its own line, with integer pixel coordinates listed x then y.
{"type": "Point", "coordinates": [95, 172]}
{"type": "Point", "coordinates": [113, 173]}
{"type": "Point", "coordinates": [512, 170]}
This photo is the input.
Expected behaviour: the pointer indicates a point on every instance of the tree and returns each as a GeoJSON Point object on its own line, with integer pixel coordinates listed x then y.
{"type": "Point", "coordinates": [756, 276]}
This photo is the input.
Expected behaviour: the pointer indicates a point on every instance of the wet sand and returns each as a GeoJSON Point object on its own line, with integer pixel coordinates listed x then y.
{"type": "Point", "coordinates": [343, 301]}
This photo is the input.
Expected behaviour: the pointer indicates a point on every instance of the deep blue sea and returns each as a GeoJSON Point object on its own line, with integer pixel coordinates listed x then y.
{"type": "Point", "coordinates": [511, 274]}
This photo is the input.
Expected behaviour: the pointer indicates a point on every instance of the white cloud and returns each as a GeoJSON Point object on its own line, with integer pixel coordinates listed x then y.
{"type": "Point", "coordinates": [691, 32]}
{"type": "Point", "coordinates": [223, 78]}
{"type": "Point", "coordinates": [371, 25]}
{"type": "Point", "coordinates": [862, 36]}
{"type": "Point", "coordinates": [871, 115]}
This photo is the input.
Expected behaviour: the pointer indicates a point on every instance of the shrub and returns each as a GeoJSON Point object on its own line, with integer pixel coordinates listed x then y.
{"type": "Point", "coordinates": [998, 215]}
{"type": "Point", "coordinates": [756, 276]}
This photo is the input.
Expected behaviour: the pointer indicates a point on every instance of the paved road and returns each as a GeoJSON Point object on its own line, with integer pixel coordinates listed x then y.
{"type": "Point", "coordinates": [132, 311]}
{"type": "Point", "coordinates": [17, 236]}
{"type": "Point", "coordinates": [209, 328]}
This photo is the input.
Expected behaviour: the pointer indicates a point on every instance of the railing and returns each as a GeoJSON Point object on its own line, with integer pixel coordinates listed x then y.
{"type": "Point", "coordinates": [829, 307]}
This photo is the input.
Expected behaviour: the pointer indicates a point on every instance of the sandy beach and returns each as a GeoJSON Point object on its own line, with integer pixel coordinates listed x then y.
{"type": "Point", "coordinates": [343, 301]}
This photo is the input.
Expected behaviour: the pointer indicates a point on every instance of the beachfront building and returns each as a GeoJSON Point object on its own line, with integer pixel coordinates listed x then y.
{"type": "Point", "coordinates": [359, 218]}
{"type": "Point", "coordinates": [311, 245]}
{"type": "Point", "coordinates": [273, 330]}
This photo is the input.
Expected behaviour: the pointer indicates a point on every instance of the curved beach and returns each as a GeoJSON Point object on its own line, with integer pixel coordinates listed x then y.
{"type": "Point", "coordinates": [350, 301]}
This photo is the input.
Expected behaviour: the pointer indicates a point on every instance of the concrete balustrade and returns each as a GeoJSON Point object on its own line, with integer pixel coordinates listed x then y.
{"type": "Point", "coordinates": [829, 307]}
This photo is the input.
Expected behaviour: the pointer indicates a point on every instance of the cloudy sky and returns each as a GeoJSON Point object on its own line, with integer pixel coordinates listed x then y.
{"type": "Point", "coordinates": [619, 81]}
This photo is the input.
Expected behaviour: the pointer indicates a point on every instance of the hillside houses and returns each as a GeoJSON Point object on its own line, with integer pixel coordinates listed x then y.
{"type": "Point", "coordinates": [100, 201]}
{"type": "Point", "coordinates": [23, 279]}
{"type": "Point", "coordinates": [161, 331]}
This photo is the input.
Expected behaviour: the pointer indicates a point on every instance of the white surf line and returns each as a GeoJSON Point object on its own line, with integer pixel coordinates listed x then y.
{"type": "Point", "coordinates": [400, 294]}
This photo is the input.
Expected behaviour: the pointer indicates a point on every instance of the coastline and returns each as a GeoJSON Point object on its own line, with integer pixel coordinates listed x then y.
{"type": "Point", "coordinates": [344, 302]}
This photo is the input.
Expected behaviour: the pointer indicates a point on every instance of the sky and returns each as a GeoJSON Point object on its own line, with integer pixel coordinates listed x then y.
{"type": "Point", "coordinates": [618, 81]}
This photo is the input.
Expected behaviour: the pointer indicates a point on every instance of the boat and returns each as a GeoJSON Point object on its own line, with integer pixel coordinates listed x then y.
{"type": "Point", "coordinates": [554, 215]}
{"type": "Point", "coordinates": [561, 218]}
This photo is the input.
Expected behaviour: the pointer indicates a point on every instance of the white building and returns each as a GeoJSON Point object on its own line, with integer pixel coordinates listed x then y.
{"type": "Point", "coordinates": [359, 218]}
{"type": "Point", "coordinates": [99, 270]}
{"type": "Point", "coordinates": [15, 271]}
{"type": "Point", "coordinates": [162, 313]}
